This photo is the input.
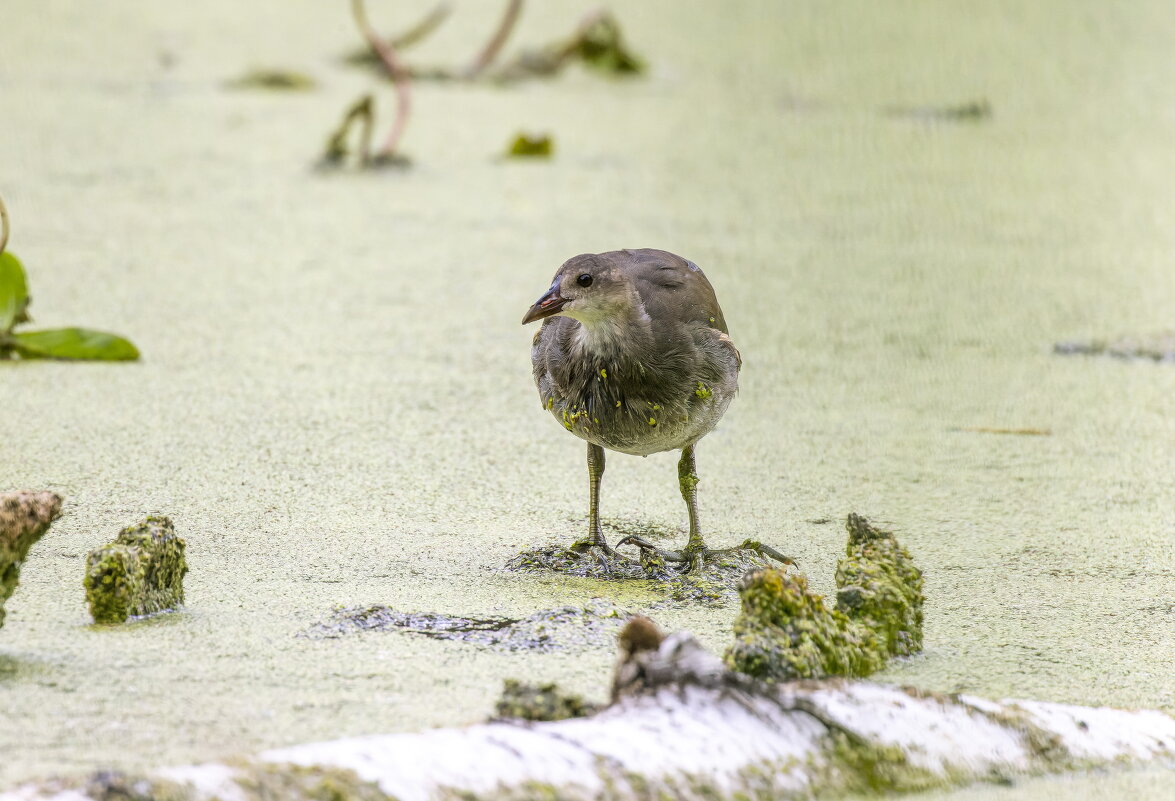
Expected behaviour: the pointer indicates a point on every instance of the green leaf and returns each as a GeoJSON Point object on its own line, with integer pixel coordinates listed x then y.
{"type": "Point", "coordinates": [74, 343]}
{"type": "Point", "coordinates": [14, 292]}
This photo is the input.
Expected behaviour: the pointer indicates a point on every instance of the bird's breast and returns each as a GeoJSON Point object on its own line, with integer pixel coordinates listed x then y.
{"type": "Point", "coordinates": [603, 412]}
{"type": "Point", "coordinates": [629, 396]}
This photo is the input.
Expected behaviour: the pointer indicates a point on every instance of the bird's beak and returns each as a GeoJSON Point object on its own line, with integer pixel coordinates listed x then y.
{"type": "Point", "coordinates": [545, 306]}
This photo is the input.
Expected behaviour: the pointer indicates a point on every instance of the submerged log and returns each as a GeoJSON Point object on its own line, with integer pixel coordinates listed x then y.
{"type": "Point", "coordinates": [681, 726]}
{"type": "Point", "coordinates": [24, 519]}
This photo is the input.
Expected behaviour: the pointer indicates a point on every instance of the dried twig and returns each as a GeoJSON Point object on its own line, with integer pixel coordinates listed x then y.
{"type": "Point", "coordinates": [396, 71]}
{"type": "Point", "coordinates": [494, 45]}
{"type": "Point", "coordinates": [336, 146]}
{"type": "Point", "coordinates": [597, 41]}
{"type": "Point", "coordinates": [424, 28]}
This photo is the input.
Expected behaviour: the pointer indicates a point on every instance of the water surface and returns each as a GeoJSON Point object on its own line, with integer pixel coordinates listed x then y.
{"type": "Point", "coordinates": [335, 407]}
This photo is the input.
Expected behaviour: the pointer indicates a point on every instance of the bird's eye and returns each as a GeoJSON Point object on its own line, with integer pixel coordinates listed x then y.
{"type": "Point", "coordinates": [584, 280]}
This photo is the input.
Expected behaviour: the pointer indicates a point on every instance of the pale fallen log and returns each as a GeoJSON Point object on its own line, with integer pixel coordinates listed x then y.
{"type": "Point", "coordinates": [681, 726]}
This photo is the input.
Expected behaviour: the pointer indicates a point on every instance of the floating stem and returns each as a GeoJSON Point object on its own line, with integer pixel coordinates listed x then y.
{"type": "Point", "coordinates": [494, 45]}
{"type": "Point", "coordinates": [396, 71]}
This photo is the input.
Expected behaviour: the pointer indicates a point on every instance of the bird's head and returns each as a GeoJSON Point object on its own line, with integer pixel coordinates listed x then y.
{"type": "Point", "coordinates": [586, 288]}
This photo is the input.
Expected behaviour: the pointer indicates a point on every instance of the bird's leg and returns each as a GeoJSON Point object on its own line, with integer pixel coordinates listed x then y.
{"type": "Point", "coordinates": [695, 550]}
{"type": "Point", "coordinates": [595, 537]}
{"type": "Point", "coordinates": [687, 479]}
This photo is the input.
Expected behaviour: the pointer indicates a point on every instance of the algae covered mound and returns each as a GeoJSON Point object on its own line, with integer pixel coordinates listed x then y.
{"type": "Point", "coordinates": [24, 518]}
{"type": "Point", "coordinates": [785, 631]}
{"type": "Point", "coordinates": [713, 585]}
{"type": "Point", "coordinates": [522, 701]}
{"type": "Point", "coordinates": [140, 573]}
{"type": "Point", "coordinates": [880, 587]}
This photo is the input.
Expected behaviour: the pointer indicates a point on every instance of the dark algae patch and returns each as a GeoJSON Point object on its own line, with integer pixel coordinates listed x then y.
{"type": "Point", "coordinates": [715, 584]}
{"type": "Point", "coordinates": [270, 782]}
{"type": "Point", "coordinates": [547, 630]}
{"type": "Point", "coordinates": [140, 573]}
{"type": "Point", "coordinates": [523, 701]}
{"type": "Point", "coordinates": [273, 80]}
{"type": "Point", "coordinates": [972, 111]}
{"type": "Point", "coordinates": [597, 42]}
{"type": "Point", "coordinates": [785, 631]}
{"type": "Point", "coordinates": [531, 146]}
{"type": "Point", "coordinates": [254, 781]}
{"type": "Point", "coordinates": [1156, 348]}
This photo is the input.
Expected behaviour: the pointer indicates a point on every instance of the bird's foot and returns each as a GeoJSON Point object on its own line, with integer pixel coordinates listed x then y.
{"type": "Point", "coordinates": [600, 552]}
{"type": "Point", "coordinates": [653, 558]}
{"type": "Point", "coordinates": [691, 560]}
{"type": "Point", "coordinates": [765, 551]}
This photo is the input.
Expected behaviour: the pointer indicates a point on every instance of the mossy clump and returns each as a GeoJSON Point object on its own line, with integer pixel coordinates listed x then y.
{"type": "Point", "coordinates": [785, 631]}
{"type": "Point", "coordinates": [597, 42]}
{"type": "Point", "coordinates": [24, 519]}
{"type": "Point", "coordinates": [588, 563]}
{"type": "Point", "coordinates": [521, 701]}
{"type": "Point", "coordinates": [715, 585]}
{"type": "Point", "coordinates": [113, 785]}
{"type": "Point", "coordinates": [601, 46]}
{"type": "Point", "coordinates": [274, 80]}
{"type": "Point", "coordinates": [140, 573]}
{"type": "Point", "coordinates": [971, 111]}
{"type": "Point", "coordinates": [290, 782]}
{"type": "Point", "coordinates": [861, 767]}
{"type": "Point", "coordinates": [531, 146]}
{"type": "Point", "coordinates": [880, 587]}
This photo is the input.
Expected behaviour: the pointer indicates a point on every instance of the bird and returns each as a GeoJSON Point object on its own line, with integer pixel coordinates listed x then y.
{"type": "Point", "coordinates": [634, 356]}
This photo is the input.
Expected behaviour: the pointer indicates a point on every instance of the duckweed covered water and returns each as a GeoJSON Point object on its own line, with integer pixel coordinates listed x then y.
{"type": "Point", "coordinates": [334, 403]}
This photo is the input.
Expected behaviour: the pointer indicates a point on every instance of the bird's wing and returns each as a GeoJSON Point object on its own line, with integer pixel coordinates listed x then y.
{"type": "Point", "coordinates": [673, 288]}
{"type": "Point", "coordinates": [726, 342]}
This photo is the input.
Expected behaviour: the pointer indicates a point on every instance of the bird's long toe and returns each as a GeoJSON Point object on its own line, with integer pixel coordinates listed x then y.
{"type": "Point", "coordinates": [695, 555]}
{"type": "Point", "coordinates": [602, 554]}
{"type": "Point", "coordinates": [765, 551]}
{"type": "Point", "coordinates": [654, 559]}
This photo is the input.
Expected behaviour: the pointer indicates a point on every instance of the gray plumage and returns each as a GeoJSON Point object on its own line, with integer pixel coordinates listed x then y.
{"type": "Point", "coordinates": [639, 361]}
{"type": "Point", "coordinates": [633, 355]}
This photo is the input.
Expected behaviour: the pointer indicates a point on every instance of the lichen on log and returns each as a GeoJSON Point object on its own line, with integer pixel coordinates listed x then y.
{"type": "Point", "coordinates": [24, 519]}
{"type": "Point", "coordinates": [785, 630]}
{"type": "Point", "coordinates": [140, 573]}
